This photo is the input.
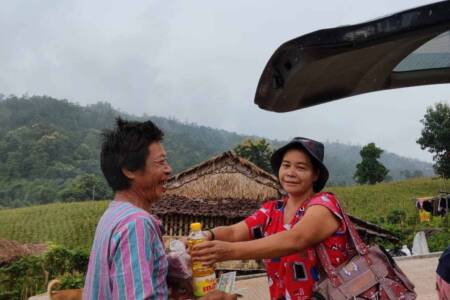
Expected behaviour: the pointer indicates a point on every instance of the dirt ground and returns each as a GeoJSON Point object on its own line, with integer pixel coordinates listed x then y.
{"type": "Point", "coordinates": [421, 271]}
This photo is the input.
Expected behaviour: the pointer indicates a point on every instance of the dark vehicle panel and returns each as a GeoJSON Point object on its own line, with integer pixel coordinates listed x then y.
{"type": "Point", "coordinates": [405, 49]}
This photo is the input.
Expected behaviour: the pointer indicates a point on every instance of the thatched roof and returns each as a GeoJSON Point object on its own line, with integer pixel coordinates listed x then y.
{"type": "Point", "coordinates": [12, 250]}
{"type": "Point", "coordinates": [224, 176]}
{"type": "Point", "coordinates": [219, 207]}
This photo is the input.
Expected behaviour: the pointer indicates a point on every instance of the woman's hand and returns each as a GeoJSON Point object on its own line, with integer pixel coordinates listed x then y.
{"type": "Point", "coordinates": [212, 252]}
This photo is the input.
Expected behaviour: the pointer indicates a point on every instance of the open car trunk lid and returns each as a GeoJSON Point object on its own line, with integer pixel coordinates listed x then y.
{"type": "Point", "coordinates": [405, 49]}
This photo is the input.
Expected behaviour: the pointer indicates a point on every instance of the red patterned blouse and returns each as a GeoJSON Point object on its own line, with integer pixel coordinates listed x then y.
{"type": "Point", "coordinates": [293, 276]}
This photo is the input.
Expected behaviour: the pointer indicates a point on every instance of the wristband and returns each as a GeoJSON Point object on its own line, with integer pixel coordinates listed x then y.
{"type": "Point", "coordinates": [213, 236]}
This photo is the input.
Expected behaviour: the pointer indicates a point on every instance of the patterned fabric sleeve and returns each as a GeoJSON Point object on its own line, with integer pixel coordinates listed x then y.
{"type": "Point", "coordinates": [258, 221]}
{"type": "Point", "coordinates": [330, 201]}
{"type": "Point", "coordinates": [134, 269]}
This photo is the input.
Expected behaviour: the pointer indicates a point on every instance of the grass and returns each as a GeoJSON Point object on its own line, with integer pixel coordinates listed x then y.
{"type": "Point", "coordinates": [369, 201]}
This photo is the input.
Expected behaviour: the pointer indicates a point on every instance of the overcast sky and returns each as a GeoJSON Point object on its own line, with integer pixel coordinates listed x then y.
{"type": "Point", "coordinates": [199, 61]}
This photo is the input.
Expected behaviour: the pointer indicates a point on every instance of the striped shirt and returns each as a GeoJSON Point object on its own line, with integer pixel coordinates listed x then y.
{"type": "Point", "coordinates": [127, 259]}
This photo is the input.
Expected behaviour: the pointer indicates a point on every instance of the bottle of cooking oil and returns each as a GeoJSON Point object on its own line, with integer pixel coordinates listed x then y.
{"type": "Point", "coordinates": [204, 277]}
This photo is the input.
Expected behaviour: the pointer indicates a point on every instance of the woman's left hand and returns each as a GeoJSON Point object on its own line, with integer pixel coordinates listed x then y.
{"type": "Point", "coordinates": [211, 252]}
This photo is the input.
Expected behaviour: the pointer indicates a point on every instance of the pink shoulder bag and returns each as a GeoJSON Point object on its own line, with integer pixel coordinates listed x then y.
{"type": "Point", "coordinates": [369, 273]}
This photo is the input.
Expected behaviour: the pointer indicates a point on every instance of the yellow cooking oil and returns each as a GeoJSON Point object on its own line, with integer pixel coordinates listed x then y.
{"type": "Point", "coordinates": [204, 276]}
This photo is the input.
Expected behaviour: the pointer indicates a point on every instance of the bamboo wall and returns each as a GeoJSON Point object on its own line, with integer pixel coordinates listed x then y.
{"type": "Point", "coordinates": [178, 225]}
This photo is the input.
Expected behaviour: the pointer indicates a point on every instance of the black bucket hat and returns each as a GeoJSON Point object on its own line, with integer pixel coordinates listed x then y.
{"type": "Point", "coordinates": [314, 149]}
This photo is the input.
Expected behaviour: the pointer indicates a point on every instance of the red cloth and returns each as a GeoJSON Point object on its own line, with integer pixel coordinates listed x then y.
{"type": "Point", "coordinates": [293, 276]}
{"type": "Point", "coordinates": [443, 288]}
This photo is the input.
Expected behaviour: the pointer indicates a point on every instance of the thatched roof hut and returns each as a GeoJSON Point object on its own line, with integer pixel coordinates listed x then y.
{"type": "Point", "coordinates": [220, 191]}
{"type": "Point", "coordinates": [12, 250]}
{"type": "Point", "coordinates": [224, 190]}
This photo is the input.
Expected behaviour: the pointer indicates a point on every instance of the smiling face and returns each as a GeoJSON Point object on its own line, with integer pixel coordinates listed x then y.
{"type": "Point", "coordinates": [297, 173]}
{"type": "Point", "coordinates": [150, 182]}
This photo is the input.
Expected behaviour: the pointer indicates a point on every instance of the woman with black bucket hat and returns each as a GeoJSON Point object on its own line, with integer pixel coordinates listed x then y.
{"type": "Point", "coordinates": [283, 232]}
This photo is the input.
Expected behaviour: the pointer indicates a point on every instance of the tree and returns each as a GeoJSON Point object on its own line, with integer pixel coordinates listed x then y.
{"type": "Point", "coordinates": [256, 151]}
{"type": "Point", "coordinates": [86, 187]}
{"type": "Point", "coordinates": [407, 174]}
{"type": "Point", "coordinates": [436, 137]}
{"type": "Point", "coordinates": [370, 170]}
{"type": "Point", "coordinates": [417, 173]}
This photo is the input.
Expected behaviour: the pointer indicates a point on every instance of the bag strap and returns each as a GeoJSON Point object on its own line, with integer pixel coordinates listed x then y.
{"type": "Point", "coordinates": [359, 244]}
{"type": "Point", "coordinates": [327, 265]}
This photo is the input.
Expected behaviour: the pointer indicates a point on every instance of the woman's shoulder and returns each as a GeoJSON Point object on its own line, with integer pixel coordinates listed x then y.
{"type": "Point", "coordinates": [327, 199]}
{"type": "Point", "coordinates": [330, 201]}
{"type": "Point", "coordinates": [324, 197]}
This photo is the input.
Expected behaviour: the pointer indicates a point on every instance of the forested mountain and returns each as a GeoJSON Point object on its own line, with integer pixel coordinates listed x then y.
{"type": "Point", "coordinates": [49, 150]}
{"type": "Point", "coordinates": [341, 159]}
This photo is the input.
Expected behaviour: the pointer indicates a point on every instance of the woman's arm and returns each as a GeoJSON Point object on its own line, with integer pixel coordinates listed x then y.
{"type": "Point", "coordinates": [234, 233]}
{"type": "Point", "coordinates": [318, 224]}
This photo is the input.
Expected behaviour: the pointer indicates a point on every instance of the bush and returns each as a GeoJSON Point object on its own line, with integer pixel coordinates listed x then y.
{"type": "Point", "coordinates": [29, 275]}
{"type": "Point", "coordinates": [22, 278]}
{"type": "Point", "coordinates": [396, 216]}
{"type": "Point", "coordinates": [72, 280]}
{"type": "Point", "coordinates": [59, 260]}
{"type": "Point", "coordinates": [439, 241]}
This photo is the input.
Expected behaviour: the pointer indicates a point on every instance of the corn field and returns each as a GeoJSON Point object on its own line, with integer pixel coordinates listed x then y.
{"type": "Point", "coordinates": [73, 224]}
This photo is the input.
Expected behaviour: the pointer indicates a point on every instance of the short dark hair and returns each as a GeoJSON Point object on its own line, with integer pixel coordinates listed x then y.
{"type": "Point", "coordinates": [126, 146]}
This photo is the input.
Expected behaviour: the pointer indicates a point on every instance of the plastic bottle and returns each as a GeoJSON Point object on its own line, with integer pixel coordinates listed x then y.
{"type": "Point", "coordinates": [204, 276]}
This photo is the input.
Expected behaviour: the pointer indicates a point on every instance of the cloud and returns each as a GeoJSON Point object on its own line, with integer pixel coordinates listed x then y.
{"type": "Point", "coordinates": [198, 61]}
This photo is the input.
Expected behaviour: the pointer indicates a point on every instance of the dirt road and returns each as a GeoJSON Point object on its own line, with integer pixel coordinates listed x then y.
{"type": "Point", "coordinates": [420, 270]}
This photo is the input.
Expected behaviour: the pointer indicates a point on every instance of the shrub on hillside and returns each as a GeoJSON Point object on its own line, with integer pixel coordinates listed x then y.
{"type": "Point", "coordinates": [29, 275]}
{"type": "Point", "coordinates": [22, 278]}
{"type": "Point", "coordinates": [439, 241]}
{"type": "Point", "coordinates": [59, 260]}
{"type": "Point", "coordinates": [396, 216]}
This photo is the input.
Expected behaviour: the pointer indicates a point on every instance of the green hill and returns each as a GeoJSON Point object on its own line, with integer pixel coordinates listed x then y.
{"type": "Point", "coordinates": [50, 150]}
{"type": "Point", "coordinates": [73, 224]}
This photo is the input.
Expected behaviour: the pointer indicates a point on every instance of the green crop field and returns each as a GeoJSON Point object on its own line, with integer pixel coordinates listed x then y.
{"type": "Point", "coordinates": [73, 224]}
{"type": "Point", "coordinates": [372, 201]}
{"type": "Point", "coordinates": [69, 224]}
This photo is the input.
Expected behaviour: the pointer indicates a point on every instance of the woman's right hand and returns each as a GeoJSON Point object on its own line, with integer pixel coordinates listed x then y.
{"type": "Point", "coordinates": [213, 251]}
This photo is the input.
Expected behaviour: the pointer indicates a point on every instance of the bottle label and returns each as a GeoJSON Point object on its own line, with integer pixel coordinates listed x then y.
{"type": "Point", "coordinates": [205, 284]}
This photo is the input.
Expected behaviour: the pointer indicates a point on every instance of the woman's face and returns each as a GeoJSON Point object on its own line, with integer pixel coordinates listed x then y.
{"type": "Point", "coordinates": [297, 173]}
{"type": "Point", "coordinates": [150, 182]}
